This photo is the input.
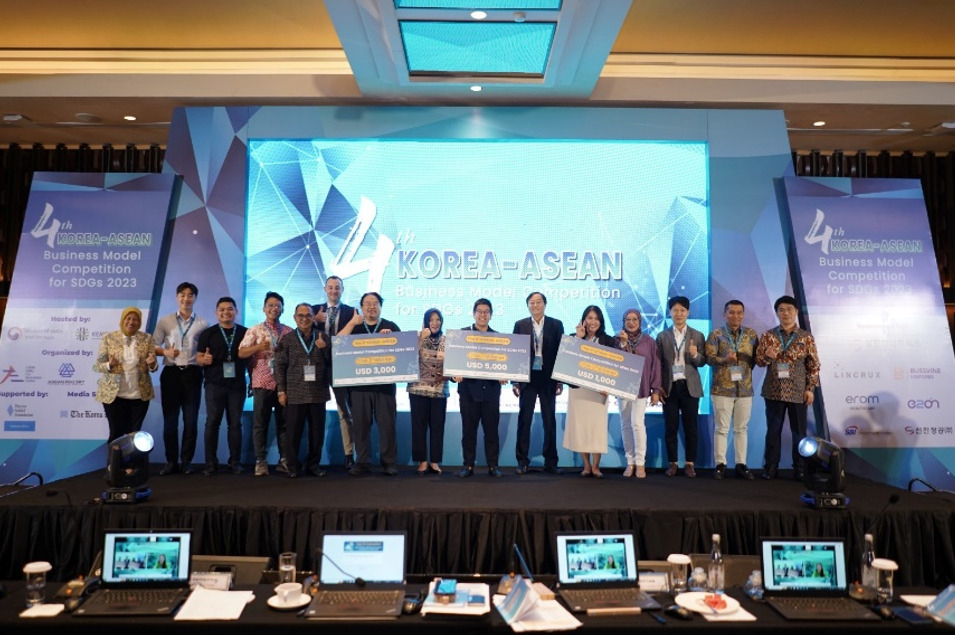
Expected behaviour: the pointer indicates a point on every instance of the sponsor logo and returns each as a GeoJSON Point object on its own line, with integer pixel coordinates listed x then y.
{"type": "Point", "coordinates": [14, 333]}
{"type": "Point", "coordinates": [67, 370]}
{"type": "Point", "coordinates": [923, 404]}
{"type": "Point", "coordinates": [81, 333]}
{"type": "Point", "coordinates": [850, 431]}
{"type": "Point", "coordinates": [19, 410]}
{"type": "Point", "coordinates": [929, 430]}
{"type": "Point", "coordinates": [11, 374]}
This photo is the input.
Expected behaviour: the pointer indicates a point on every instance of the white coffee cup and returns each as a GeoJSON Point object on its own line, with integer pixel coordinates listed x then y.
{"type": "Point", "coordinates": [289, 592]}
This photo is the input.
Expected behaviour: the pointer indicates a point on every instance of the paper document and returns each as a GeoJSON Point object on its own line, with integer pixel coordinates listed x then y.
{"type": "Point", "coordinates": [524, 611]}
{"type": "Point", "coordinates": [464, 602]}
{"type": "Point", "coordinates": [209, 604]}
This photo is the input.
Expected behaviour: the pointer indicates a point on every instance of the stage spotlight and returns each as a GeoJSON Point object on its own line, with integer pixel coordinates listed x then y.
{"type": "Point", "coordinates": [128, 468]}
{"type": "Point", "coordinates": [824, 473]}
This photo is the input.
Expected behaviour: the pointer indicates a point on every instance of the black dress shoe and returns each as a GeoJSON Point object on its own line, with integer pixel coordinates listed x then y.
{"type": "Point", "coordinates": [282, 466]}
{"type": "Point", "coordinates": [235, 468]}
{"type": "Point", "coordinates": [209, 469]}
{"type": "Point", "coordinates": [743, 472]}
{"type": "Point", "coordinates": [495, 472]}
{"type": "Point", "coordinates": [521, 470]}
{"type": "Point", "coordinates": [315, 470]}
{"type": "Point", "coordinates": [358, 470]}
{"type": "Point", "coordinates": [169, 468]}
{"type": "Point", "coordinates": [391, 470]}
{"type": "Point", "coordinates": [188, 468]}
{"type": "Point", "coordinates": [292, 473]}
{"type": "Point", "coordinates": [720, 471]}
{"type": "Point", "coordinates": [466, 471]}
{"type": "Point", "coordinates": [553, 469]}
{"type": "Point", "coordinates": [769, 473]}
{"type": "Point", "coordinates": [349, 462]}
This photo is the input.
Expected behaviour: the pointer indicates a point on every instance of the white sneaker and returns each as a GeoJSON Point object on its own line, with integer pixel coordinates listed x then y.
{"type": "Point", "coordinates": [261, 468]}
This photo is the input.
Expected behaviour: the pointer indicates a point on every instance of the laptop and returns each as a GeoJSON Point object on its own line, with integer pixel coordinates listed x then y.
{"type": "Point", "coordinates": [361, 576]}
{"type": "Point", "coordinates": [145, 572]}
{"type": "Point", "coordinates": [245, 570]}
{"type": "Point", "coordinates": [805, 579]}
{"type": "Point", "coordinates": [597, 570]}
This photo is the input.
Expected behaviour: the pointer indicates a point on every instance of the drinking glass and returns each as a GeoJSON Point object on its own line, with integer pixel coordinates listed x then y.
{"type": "Point", "coordinates": [287, 567]}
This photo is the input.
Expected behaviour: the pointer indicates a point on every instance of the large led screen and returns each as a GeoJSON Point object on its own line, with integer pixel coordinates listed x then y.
{"type": "Point", "coordinates": [441, 223]}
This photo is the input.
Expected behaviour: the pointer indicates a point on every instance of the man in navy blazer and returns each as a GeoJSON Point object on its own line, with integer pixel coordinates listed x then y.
{"type": "Point", "coordinates": [682, 351]}
{"type": "Point", "coordinates": [545, 335]}
{"type": "Point", "coordinates": [342, 316]}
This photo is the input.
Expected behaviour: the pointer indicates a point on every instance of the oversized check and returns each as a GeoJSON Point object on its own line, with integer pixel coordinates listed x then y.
{"type": "Point", "coordinates": [375, 358]}
{"type": "Point", "coordinates": [487, 355]}
{"type": "Point", "coordinates": [601, 368]}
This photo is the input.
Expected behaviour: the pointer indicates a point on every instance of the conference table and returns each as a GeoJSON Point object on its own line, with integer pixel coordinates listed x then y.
{"type": "Point", "coordinates": [258, 618]}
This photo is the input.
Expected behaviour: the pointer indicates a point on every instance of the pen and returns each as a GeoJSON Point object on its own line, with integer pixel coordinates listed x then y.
{"type": "Point", "coordinates": [658, 618]}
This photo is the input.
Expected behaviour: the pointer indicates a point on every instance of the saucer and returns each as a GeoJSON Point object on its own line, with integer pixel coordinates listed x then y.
{"type": "Point", "coordinates": [694, 600]}
{"type": "Point", "coordinates": [274, 602]}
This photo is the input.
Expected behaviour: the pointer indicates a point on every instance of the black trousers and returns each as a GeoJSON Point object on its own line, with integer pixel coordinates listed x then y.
{"type": "Point", "coordinates": [181, 388]}
{"type": "Point", "coordinates": [228, 400]}
{"type": "Point", "coordinates": [264, 403]}
{"type": "Point", "coordinates": [125, 416]}
{"type": "Point", "coordinates": [680, 404]}
{"type": "Point", "coordinates": [367, 407]}
{"type": "Point", "coordinates": [530, 393]}
{"type": "Point", "coordinates": [480, 413]}
{"type": "Point", "coordinates": [776, 411]}
{"type": "Point", "coordinates": [427, 427]}
{"type": "Point", "coordinates": [297, 414]}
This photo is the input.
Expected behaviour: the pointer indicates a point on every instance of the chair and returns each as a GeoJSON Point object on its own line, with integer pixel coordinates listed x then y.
{"type": "Point", "coordinates": [736, 569]}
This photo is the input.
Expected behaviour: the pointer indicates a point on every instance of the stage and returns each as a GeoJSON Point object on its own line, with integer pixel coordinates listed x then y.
{"type": "Point", "coordinates": [462, 526]}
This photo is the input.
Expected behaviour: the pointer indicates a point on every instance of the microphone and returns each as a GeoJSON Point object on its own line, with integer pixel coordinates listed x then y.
{"type": "Point", "coordinates": [893, 499]}
{"type": "Point", "coordinates": [359, 582]}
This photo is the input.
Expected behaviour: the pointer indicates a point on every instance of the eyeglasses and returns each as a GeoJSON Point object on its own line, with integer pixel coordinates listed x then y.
{"type": "Point", "coordinates": [303, 316]}
{"type": "Point", "coordinates": [483, 312]}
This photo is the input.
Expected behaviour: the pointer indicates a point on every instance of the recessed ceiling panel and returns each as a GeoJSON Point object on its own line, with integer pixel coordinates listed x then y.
{"type": "Point", "coordinates": [507, 5]}
{"type": "Point", "coordinates": [477, 48]}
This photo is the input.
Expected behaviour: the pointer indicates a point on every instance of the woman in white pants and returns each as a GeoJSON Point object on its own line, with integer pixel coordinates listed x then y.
{"type": "Point", "coordinates": [633, 430]}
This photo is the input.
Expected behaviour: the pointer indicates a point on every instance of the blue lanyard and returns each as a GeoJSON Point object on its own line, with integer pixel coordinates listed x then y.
{"type": "Point", "coordinates": [375, 330]}
{"type": "Point", "coordinates": [183, 334]}
{"type": "Point", "coordinates": [308, 349]}
{"type": "Point", "coordinates": [739, 338]}
{"type": "Point", "coordinates": [275, 340]}
{"type": "Point", "coordinates": [785, 343]}
{"type": "Point", "coordinates": [228, 342]}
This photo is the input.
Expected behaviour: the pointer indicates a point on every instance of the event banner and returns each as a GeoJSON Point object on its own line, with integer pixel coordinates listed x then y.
{"type": "Point", "coordinates": [90, 246]}
{"type": "Point", "coordinates": [601, 368]}
{"type": "Point", "coordinates": [874, 302]}
{"type": "Point", "coordinates": [374, 358]}
{"type": "Point", "coordinates": [487, 355]}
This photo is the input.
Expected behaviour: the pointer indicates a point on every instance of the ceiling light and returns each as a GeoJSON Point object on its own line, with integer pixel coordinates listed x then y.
{"type": "Point", "coordinates": [130, 118]}
{"type": "Point", "coordinates": [519, 16]}
{"type": "Point", "coordinates": [818, 124]}
{"type": "Point", "coordinates": [476, 88]}
{"type": "Point", "coordinates": [12, 116]}
{"type": "Point", "coordinates": [479, 15]}
{"type": "Point", "coordinates": [87, 117]}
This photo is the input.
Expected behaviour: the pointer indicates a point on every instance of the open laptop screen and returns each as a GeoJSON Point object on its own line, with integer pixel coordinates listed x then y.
{"type": "Point", "coordinates": [143, 556]}
{"type": "Point", "coordinates": [812, 566]}
{"type": "Point", "coordinates": [593, 557]}
{"type": "Point", "coordinates": [374, 557]}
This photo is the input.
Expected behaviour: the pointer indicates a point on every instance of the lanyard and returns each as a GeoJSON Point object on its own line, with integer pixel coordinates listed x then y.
{"type": "Point", "coordinates": [374, 330]}
{"type": "Point", "coordinates": [228, 341]}
{"type": "Point", "coordinates": [307, 349]}
{"type": "Point", "coordinates": [272, 336]}
{"type": "Point", "coordinates": [179, 320]}
{"type": "Point", "coordinates": [739, 338]}
{"type": "Point", "coordinates": [679, 346]}
{"type": "Point", "coordinates": [787, 342]}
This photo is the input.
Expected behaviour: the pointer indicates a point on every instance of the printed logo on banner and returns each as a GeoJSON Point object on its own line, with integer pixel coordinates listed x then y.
{"type": "Point", "coordinates": [11, 374]}
{"type": "Point", "coordinates": [924, 404]}
{"type": "Point", "coordinates": [841, 372]}
{"type": "Point", "coordinates": [928, 372]}
{"type": "Point", "coordinates": [67, 370]}
{"type": "Point", "coordinates": [19, 410]}
{"type": "Point", "coordinates": [850, 431]}
{"type": "Point", "coordinates": [14, 333]}
{"type": "Point", "coordinates": [862, 402]}
{"type": "Point", "coordinates": [82, 333]}
{"type": "Point", "coordinates": [929, 430]}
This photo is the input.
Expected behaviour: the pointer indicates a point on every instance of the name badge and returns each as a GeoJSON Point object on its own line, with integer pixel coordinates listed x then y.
{"type": "Point", "coordinates": [228, 370]}
{"type": "Point", "coordinates": [736, 373]}
{"type": "Point", "coordinates": [782, 371]}
{"type": "Point", "coordinates": [538, 363]}
{"type": "Point", "coordinates": [309, 370]}
{"type": "Point", "coordinates": [679, 371]}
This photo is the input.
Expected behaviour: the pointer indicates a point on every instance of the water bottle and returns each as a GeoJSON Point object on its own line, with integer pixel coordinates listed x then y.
{"type": "Point", "coordinates": [715, 577]}
{"type": "Point", "coordinates": [869, 575]}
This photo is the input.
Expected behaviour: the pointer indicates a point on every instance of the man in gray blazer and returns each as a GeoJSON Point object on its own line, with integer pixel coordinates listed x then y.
{"type": "Point", "coordinates": [681, 355]}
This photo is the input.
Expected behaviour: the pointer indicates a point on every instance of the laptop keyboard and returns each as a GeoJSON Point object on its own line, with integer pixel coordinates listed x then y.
{"type": "Point", "coordinates": [589, 596]}
{"type": "Point", "coordinates": [137, 596]}
{"type": "Point", "coordinates": [385, 598]}
{"type": "Point", "coordinates": [817, 605]}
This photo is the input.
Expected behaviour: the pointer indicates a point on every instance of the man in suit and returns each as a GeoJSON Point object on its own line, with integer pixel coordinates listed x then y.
{"type": "Point", "coordinates": [545, 335]}
{"type": "Point", "coordinates": [329, 317]}
{"type": "Point", "coordinates": [681, 355]}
